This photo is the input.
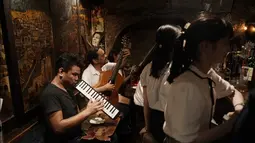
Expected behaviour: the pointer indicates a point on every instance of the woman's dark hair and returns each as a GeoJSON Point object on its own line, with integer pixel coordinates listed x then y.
{"type": "Point", "coordinates": [205, 28]}
{"type": "Point", "coordinates": [166, 36]}
{"type": "Point", "coordinates": [66, 61]}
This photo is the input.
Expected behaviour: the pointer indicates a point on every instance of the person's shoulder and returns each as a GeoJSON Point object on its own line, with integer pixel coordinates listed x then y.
{"type": "Point", "coordinates": [49, 91]}
{"type": "Point", "coordinates": [148, 67]}
{"type": "Point", "coordinates": [87, 68]}
{"type": "Point", "coordinates": [89, 71]}
{"type": "Point", "coordinates": [186, 77]}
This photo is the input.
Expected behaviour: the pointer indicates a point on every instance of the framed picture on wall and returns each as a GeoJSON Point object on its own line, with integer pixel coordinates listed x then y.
{"type": "Point", "coordinates": [246, 73]}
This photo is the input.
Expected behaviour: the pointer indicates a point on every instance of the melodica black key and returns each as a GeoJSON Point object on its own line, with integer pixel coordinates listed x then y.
{"type": "Point", "coordinates": [91, 93]}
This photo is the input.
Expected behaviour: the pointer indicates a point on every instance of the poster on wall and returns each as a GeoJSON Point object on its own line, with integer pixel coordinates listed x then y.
{"type": "Point", "coordinates": [97, 23]}
{"type": "Point", "coordinates": [34, 45]}
{"type": "Point", "coordinates": [5, 92]}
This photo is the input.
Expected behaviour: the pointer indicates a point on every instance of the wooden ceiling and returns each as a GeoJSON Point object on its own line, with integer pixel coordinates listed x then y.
{"type": "Point", "coordinates": [239, 9]}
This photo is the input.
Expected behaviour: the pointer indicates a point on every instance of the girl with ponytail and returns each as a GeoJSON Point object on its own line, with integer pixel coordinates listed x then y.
{"type": "Point", "coordinates": [190, 86]}
{"type": "Point", "coordinates": [152, 76]}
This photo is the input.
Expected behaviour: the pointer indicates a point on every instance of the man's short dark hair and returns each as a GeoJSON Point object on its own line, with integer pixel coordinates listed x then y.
{"type": "Point", "coordinates": [66, 61]}
{"type": "Point", "coordinates": [92, 55]}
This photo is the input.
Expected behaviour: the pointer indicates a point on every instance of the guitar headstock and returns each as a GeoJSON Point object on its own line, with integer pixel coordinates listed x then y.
{"type": "Point", "coordinates": [125, 41]}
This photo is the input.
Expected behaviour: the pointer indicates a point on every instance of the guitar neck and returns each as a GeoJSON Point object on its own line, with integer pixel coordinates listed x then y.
{"type": "Point", "coordinates": [125, 42]}
{"type": "Point", "coordinates": [116, 69]}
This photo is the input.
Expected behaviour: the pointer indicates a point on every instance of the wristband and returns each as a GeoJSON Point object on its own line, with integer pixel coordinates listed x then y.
{"type": "Point", "coordinates": [239, 104]}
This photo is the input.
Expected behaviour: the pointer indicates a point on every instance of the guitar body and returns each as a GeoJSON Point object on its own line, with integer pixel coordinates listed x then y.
{"type": "Point", "coordinates": [113, 77]}
{"type": "Point", "coordinates": [104, 79]}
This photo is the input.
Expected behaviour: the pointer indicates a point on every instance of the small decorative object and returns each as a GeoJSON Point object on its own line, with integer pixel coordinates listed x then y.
{"type": "Point", "coordinates": [96, 120]}
{"type": "Point", "coordinates": [246, 73]}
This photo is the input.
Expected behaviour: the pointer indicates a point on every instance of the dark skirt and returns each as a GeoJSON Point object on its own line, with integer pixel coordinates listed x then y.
{"type": "Point", "coordinates": [156, 125]}
{"type": "Point", "coordinates": [139, 118]}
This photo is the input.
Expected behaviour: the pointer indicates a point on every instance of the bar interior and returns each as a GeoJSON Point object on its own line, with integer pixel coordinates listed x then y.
{"type": "Point", "coordinates": [35, 33]}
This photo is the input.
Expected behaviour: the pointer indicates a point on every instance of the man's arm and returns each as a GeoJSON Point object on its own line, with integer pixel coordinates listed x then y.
{"type": "Point", "coordinates": [100, 89]}
{"type": "Point", "coordinates": [59, 124]}
{"type": "Point", "coordinates": [87, 78]}
{"type": "Point", "coordinates": [237, 100]}
{"type": "Point", "coordinates": [106, 87]}
{"type": "Point", "coordinates": [224, 89]}
{"type": "Point", "coordinates": [146, 110]}
{"type": "Point", "coordinates": [216, 132]}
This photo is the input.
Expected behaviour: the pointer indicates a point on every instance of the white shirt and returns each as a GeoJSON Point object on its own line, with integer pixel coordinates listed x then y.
{"type": "Point", "coordinates": [138, 96]}
{"type": "Point", "coordinates": [152, 86]}
{"type": "Point", "coordinates": [91, 75]}
{"type": "Point", "coordinates": [188, 108]}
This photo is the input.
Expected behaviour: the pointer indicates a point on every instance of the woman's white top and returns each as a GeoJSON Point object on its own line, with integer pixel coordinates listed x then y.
{"type": "Point", "coordinates": [138, 96]}
{"type": "Point", "coordinates": [188, 108]}
{"type": "Point", "coordinates": [156, 101]}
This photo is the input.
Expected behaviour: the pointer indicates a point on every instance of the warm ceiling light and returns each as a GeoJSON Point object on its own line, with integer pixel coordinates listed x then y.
{"type": "Point", "coordinates": [252, 29]}
{"type": "Point", "coordinates": [245, 28]}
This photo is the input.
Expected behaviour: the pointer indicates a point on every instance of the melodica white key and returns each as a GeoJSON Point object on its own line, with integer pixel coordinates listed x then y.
{"type": "Point", "coordinates": [91, 93]}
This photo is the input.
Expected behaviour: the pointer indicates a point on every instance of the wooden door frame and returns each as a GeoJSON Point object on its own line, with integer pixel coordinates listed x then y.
{"type": "Point", "coordinates": [12, 65]}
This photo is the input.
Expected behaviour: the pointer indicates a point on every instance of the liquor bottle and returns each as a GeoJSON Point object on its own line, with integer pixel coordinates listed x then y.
{"type": "Point", "coordinates": [251, 59]}
{"type": "Point", "coordinates": [251, 66]}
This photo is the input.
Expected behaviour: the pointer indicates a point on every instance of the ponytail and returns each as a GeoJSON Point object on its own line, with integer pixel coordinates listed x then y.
{"type": "Point", "coordinates": [181, 60]}
{"type": "Point", "coordinates": [166, 36]}
{"type": "Point", "coordinates": [205, 28]}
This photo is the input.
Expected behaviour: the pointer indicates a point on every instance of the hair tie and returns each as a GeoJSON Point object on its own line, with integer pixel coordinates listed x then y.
{"type": "Point", "coordinates": [187, 25]}
{"type": "Point", "coordinates": [184, 43]}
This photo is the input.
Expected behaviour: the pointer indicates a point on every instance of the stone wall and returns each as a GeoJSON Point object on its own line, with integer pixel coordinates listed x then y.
{"type": "Point", "coordinates": [121, 15]}
{"type": "Point", "coordinates": [141, 19]}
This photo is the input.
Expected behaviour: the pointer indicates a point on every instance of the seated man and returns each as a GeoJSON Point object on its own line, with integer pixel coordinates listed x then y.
{"type": "Point", "coordinates": [98, 63]}
{"type": "Point", "coordinates": [91, 74]}
{"type": "Point", "coordinates": [61, 116]}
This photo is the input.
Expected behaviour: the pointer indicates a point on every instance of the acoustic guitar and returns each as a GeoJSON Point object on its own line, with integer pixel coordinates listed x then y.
{"type": "Point", "coordinates": [133, 77]}
{"type": "Point", "coordinates": [113, 76]}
